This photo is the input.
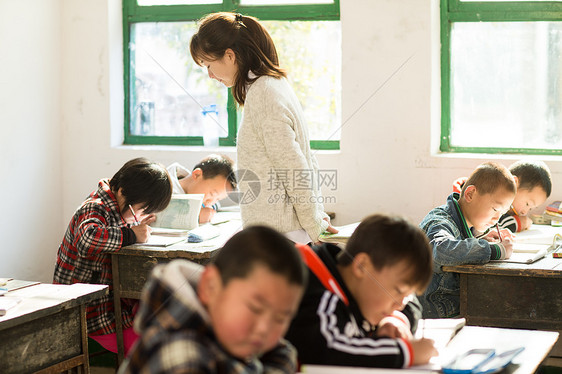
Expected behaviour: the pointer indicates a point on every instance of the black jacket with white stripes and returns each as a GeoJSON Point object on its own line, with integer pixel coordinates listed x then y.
{"type": "Point", "coordinates": [327, 331]}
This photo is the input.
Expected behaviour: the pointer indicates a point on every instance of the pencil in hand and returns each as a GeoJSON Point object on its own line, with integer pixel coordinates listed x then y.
{"type": "Point", "coordinates": [134, 215]}
{"type": "Point", "coordinates": [499, 233]}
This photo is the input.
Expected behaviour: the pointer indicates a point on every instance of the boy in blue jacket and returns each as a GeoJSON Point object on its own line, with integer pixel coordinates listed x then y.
{"type": "Point", "coordinates": [534, 185]}
{"type": "Point", "coordinates": [485, 197]}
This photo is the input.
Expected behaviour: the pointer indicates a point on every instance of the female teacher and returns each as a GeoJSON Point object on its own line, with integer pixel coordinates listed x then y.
{"type": "Point", "coordinates": [273, 142]}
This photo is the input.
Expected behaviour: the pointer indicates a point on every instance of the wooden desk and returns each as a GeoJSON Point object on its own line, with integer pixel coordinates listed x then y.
{"type": "Point", "coordinates": [47, 332]}
{"type": "Point", "coordinates": [513, 295]}
{"type": "Point", "coordinates": [131, 267]}
{"type": "Point", "coordinates": [537, 346]}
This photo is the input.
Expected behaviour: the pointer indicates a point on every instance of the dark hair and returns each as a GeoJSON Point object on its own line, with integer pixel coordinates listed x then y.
{"type": "Point", "coordinates": [389, 240]}
{"type": "Point", "coordinates": [252, 45]}
{"type": "Point", "coordinates": [218, 165]}
{"type": "Point", "coordinates": [488, 177]}
{"type": "Point", "coordinates": [143, 182]}
{"type": "Point", "coordinates": [260, 245]}
{"type": "Point", "coordinates": [532, 174]}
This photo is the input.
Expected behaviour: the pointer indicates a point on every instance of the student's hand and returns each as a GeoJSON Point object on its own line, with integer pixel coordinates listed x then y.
{"type": "Point", "coordinates": [392, 327]}
{"type": "Point", "coordinates": [142, 232]}
{"type": "Point", "coordinates": [148, 219]}
{"type": "Point", "coordinates": [424, 349]}
{"type": "Point", "coordinates": [331, 229]}
{"type": "Point", "coordinates": [493, 236]}
{"type": "Point", "coordinates": [508, 246]}
{"type": "Point", "coordinates": [206, 215]}
{"type": "Point", "coordinates": [507, 234]}
{"type": "Point", "coordinates": [526, 222]}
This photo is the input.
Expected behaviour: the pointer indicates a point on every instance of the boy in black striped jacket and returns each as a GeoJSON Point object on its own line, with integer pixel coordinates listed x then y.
{"type": "Point", "coordinates": [359, 308]}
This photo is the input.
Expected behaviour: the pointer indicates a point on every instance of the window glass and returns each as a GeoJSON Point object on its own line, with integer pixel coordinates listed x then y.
{"type": "Point", "coordinates": [505, 1]}
{"type": "Point", "coordinates": [506, 84]}
{"type": "Point", "coordinates": [177, 2]}
{"type": "Point", "coordinates": [310, 51]}
{"type": "Point", "coordinates": [284, 2]}
{"type": "Point", "coordinates": [171, 100]}
{"type": "Point", "coordinates": [172, 95]}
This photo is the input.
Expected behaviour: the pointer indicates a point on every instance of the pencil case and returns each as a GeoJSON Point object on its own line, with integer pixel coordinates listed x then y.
{"type": "Point", "coordinates": [480, 361]}
{"type": "Point", "coordinates": [194, 238]}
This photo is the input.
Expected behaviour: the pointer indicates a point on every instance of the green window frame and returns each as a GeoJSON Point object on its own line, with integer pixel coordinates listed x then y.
{"type": "Point", "coordinates": [133, 13]}
{"type": "Point", "coordinates": [452, 11]}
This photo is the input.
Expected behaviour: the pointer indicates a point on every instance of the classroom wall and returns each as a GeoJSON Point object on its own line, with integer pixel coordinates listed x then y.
{"type": "Point", "coordinates": [388, 160]}
{"type": "Point", "coordinates": [30, 144]}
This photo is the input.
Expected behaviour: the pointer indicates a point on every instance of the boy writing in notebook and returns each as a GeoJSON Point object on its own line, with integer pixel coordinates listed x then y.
{"type": "Point", "coordinates": [534, 185]}
{"type": "Point", "coordinates": [213, 176]}
{"type": "Point", "coordinates": [227, 317]}
{"type": "Point", "coordinates": [485, 197]}
{"type": "Point", "coordinates": [358, 308]}
{"type": "Point", "coordinates": [115, 215]}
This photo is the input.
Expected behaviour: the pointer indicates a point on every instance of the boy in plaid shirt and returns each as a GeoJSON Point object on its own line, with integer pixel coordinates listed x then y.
{"type": "Point", "coordinates": [227, 317]}
{"type": "Point", "coordinates": [103, 224]}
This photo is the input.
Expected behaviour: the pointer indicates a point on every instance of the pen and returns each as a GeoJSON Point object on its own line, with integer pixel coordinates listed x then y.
{"type": "Point", "coordinates": [499, 233]}
{"type": "Point", "coordinates": [134, 215]}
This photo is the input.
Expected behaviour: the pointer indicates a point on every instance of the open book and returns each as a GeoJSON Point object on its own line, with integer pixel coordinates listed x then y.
{"type": "Point", "coordinates": [174, 223]}
{"type": "Point", "coordinates": [342, 236]}
{"type": "Point", "coordinates": [181, 214]}
{"type": "Point", "coordinates": [535, 243]}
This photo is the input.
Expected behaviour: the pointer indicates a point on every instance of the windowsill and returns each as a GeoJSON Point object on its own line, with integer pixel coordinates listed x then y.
{"type": "Point", "coordinates": [181, 148]}
{"type": "Point", "coordinates": [326, 151]}
{"type": "Point", "coordinates": [496, 156]}
{"type": "Point", "coordinates": [436, 160]}
{"type": "Point", "coordinates": [175, 148]}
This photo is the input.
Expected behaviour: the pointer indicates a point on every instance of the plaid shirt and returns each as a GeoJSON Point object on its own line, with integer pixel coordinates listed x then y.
{"type": "Point", "coordinates": [84, 256]}
{"type": "Point", "coordinates": [176, 335]}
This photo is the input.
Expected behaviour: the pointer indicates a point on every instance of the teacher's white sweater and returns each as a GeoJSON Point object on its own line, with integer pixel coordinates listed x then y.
{"type": "Point", "coordinates": [280, 184]}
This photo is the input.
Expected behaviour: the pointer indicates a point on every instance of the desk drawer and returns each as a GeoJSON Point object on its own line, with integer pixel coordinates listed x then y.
{"type": "Point", "coordinates": [520, 302]}
{"type": "Point", "coordinates": [134, 271]}
{"type": "Point", "coordinates": [40, 343]}
{"type": "Point", "coordinates": [513, 302]}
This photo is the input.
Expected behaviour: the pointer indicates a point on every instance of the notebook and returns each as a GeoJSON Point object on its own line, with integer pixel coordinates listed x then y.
{"type": "Point", "coordinates": [534, 244]}
{"type": "Point", "coordinates": [162, 241]}
{"type": "Point", "coordinates": [8, 302]}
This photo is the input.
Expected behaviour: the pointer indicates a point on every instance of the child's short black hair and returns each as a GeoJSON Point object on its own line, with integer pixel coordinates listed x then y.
{"type": "Point", "coordinates": [260, 245]}
{"type": "Point", "coordinates": [218, 165]}
{"type": "Point", "coordinates": [489, 177]}
{"type": "Point", "coordinates": [532, 174]}
{"type": "Point", "coordinates": [388, 240]}
{"type": "Point", "coordinates": [143, 182]}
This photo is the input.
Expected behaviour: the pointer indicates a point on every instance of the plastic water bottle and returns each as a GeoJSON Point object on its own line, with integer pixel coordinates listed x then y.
{"type": "Point", "coordinates": [211, 127]}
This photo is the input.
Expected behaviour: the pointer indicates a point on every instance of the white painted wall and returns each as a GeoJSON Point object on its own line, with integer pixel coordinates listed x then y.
{"type": "Point", "coordinates": [387, 162]}
{"type": "Point", "coordinates": [30, 156]}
